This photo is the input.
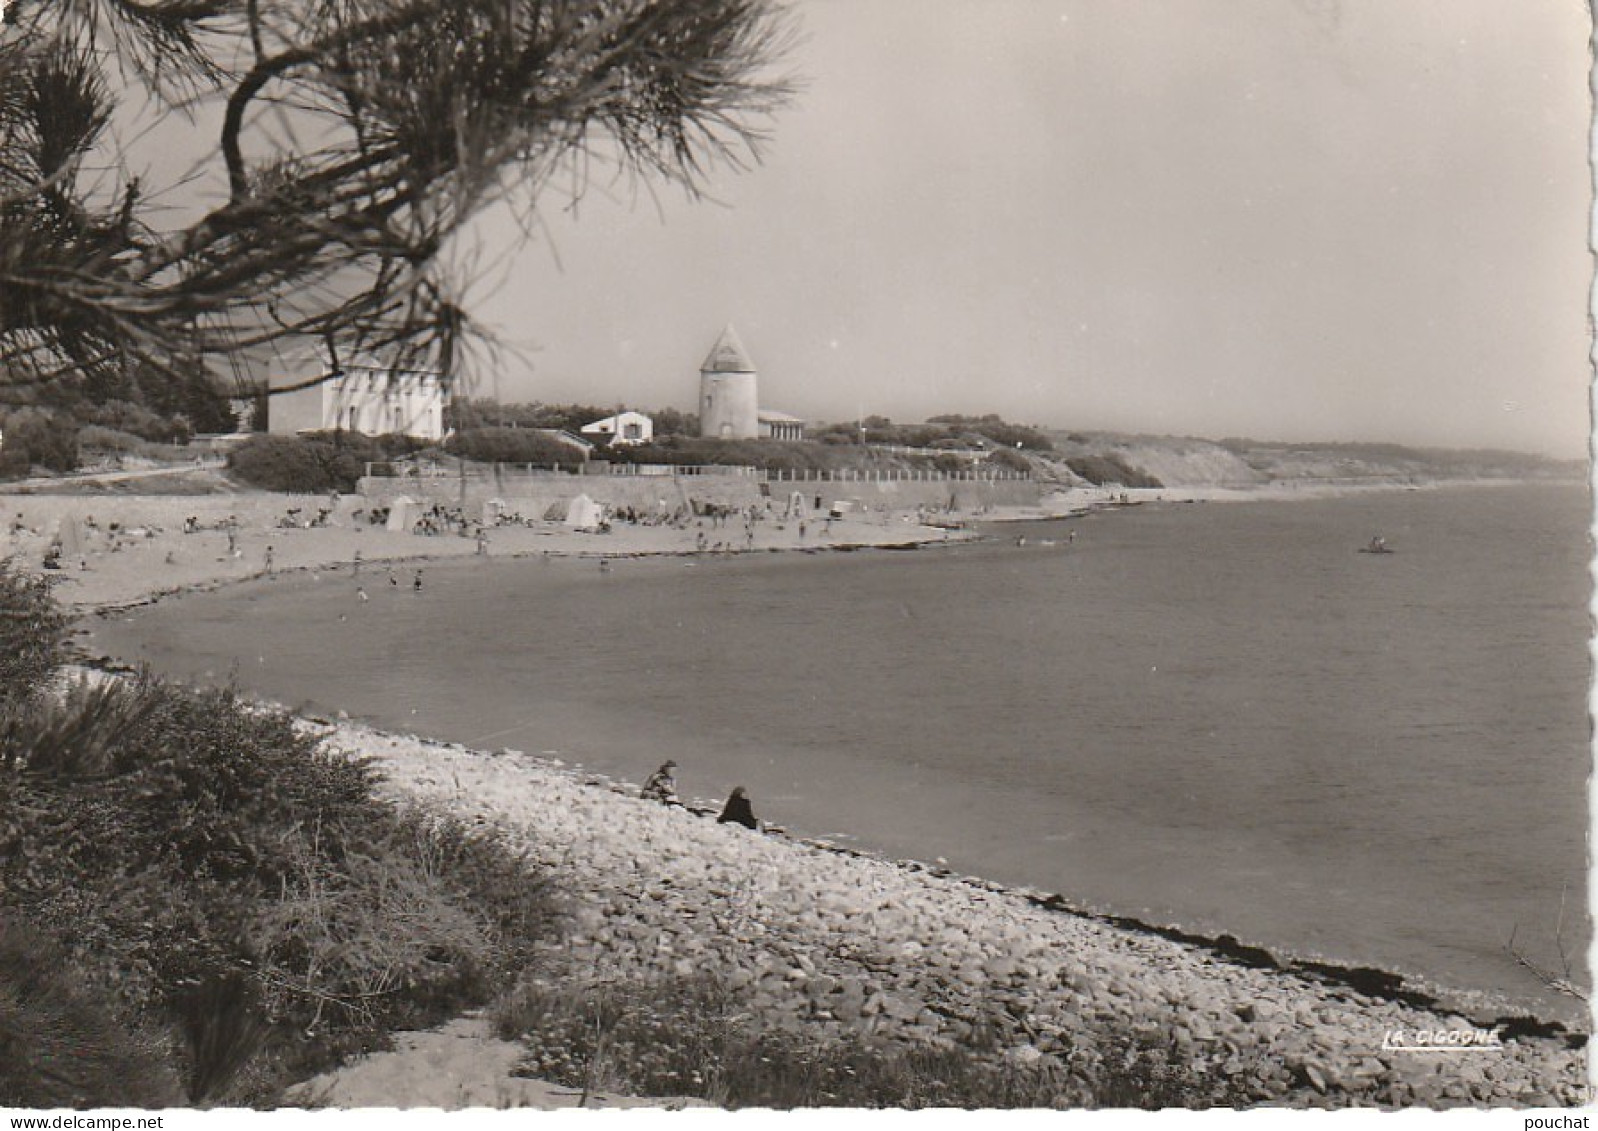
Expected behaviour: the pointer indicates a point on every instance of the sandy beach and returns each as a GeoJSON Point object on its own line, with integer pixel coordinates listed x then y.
{"type": "Point", "coordinates": [816, 935]}
{"type": "Point", "coordinates": [150, 554]}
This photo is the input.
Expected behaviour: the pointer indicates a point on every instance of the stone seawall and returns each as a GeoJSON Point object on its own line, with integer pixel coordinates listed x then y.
{"type": "Point", "coordinates": [531, 495]}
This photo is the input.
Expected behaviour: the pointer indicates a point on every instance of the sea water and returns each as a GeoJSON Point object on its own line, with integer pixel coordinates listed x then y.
{"type": "Point", "coordinates": [1219, 716]}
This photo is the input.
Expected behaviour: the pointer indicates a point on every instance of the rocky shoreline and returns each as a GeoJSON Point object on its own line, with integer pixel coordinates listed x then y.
{"type": "Point", "coordinates": [820, 937]}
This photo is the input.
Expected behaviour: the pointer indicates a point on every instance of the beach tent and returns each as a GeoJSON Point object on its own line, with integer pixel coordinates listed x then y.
{"type": "Point", "coordinates": [70, 537]}
{"type": "Point", "coordinates": [492, 509]}
{"type": "Point", "coordinates": [584, 514]}
{"type": "Point", "coordinates": [556, 511]}
{"type": "Point", "coordinates": [399, 514]}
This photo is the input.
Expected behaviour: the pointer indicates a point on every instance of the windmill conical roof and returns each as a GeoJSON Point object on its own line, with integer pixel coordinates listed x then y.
{"type": "Point", "coordinates": [727, 355]}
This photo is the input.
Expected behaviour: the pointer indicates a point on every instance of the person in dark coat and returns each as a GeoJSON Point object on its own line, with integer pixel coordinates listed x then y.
{"type": "Point", "coordinates": [662, 785]}
{"type": "Point", "coordinates": [738, 810]}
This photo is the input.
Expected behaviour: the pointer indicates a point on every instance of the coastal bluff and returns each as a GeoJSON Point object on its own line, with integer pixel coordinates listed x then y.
{"type": "Point", "coordinates": [813, 935]}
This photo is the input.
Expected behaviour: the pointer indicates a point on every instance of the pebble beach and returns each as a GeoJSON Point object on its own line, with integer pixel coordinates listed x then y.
{"type": "Point", "coordinates": [817, 935]}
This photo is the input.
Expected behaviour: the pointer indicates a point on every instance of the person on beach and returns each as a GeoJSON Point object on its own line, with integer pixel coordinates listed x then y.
{"type": "Point", "coordinates": [661, 785]}
{"type": "Point", "coordinates": [738, 811]}
{"type": "Point", "coordinates": [269, 560]}
{"type": "Point", "coordinates": [416, 582]}
{"type": "Point", "coordinates": [357, 563]}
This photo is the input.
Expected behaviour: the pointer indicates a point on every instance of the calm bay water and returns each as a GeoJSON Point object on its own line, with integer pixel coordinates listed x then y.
{"type": "Point", "coordinates": [1214, 715]}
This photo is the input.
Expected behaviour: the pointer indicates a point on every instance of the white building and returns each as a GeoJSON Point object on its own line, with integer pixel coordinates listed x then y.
{"type": "Point", "coordinates": [779, 425]}
{"type": "Point", "coordinates": [364, 397]}
{"type": "Point", "coordinates": [729, 402]}
{"type": "Point", "coordinates": [729, 397]}
{"type": "Point", "coordinates": [626, 427]}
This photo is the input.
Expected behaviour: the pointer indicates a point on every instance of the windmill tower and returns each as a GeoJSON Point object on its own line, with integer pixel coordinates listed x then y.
{"type": "Point", "coordinates": [729, 402]}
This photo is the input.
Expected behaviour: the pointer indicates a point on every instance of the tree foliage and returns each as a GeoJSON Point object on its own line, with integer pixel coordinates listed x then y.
{"type": "Point", "coordinates": [533, 445]}
{"type": "Point", "coordinates": [351, 141]}
{"type": "Point", "coordinates": [469, 412]}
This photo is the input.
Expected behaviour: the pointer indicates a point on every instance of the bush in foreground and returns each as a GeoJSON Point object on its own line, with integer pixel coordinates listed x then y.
{"type": "Point", "coordinates": [212, 873]}
{"type": "Point", "coordinates": [186, 843]}
{"type": "Point", "coordinates": [61, 1046]}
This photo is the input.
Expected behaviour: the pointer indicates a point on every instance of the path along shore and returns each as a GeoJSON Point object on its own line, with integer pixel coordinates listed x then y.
{"type": "Point", "coordinates": [819, 936]}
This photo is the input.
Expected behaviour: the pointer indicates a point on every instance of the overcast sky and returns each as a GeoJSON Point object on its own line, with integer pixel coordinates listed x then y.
{"type": "Point", "coordinates": [1327, 220]}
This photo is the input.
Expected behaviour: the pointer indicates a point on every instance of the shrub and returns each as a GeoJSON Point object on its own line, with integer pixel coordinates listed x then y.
{"type": "Point", "coordinates": [1110, 469]}
{"type": "Point", "coordinates": [136, 420]}
{"type": "Point", "coordinates": [370, 449]}
{"type": "Point", "coordinates": [71, 737]}
{"type": "Point", "coordinates": [187, 841]}
{"type": "Point", "coordinates": [42, 438]}
{"type": "Point", "coordinates": [97, 438]}
{"type": "Point", "coordinates": [60, 1044]}
{"type": "Point", "coordinates": [1010, 460]}
{"type": "Point", "coordinates": [33, 632]}
{"type": "Point", "coordinates": [297, 465]}
{"type": "Point", "coordinates": [15, 463]}
{"type": "Point", "coordinates": [770, 455]}
{"type": "Point", "coordinates": [218, 871]}
{"type": "Point", "coordinates": [696, 1037]}
{"type": "Point", "coordinates": [513, 445]}
{"type": "Point", "coordinates": [999, 431]}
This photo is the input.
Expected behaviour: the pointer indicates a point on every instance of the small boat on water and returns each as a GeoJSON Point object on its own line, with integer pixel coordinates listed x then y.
{"type": "Point", "coordinates": [1376, 546]}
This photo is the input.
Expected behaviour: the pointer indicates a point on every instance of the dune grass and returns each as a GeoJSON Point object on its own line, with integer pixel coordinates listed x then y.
{"type": "Point", "coordinates": [697, 1037]}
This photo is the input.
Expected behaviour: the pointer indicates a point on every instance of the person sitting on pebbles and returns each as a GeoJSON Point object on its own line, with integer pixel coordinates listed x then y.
{"type": "Point", "coordinates": [661, 785]}
{"type": "Point", "coordinates": [738, 810]}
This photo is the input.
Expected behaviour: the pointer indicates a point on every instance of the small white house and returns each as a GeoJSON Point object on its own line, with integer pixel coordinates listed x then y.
{"type": "Point", "coordinates": [625, 427]}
